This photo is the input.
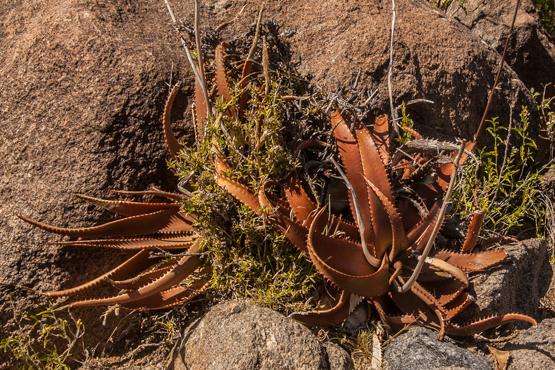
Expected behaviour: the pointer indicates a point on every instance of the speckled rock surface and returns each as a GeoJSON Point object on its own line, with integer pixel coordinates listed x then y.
{"type": "Point", "coordinates": [241, 335]}
{"type": "Point", "coordinates": [516, 285]}
{"type": "Point", "coordinates": [419, 349]}
{"type": "Point", "coordinates": [531, 54]}
{"type": "Point", "coordinates": [534, 348]}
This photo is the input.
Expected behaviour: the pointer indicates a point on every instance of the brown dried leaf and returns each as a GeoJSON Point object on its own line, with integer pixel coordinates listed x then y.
{"type": "Point", "coordinates": [501, 357]}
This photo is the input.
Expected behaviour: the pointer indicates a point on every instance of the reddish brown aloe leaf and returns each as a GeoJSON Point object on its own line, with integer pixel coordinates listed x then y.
{"type": "Point", "coordinates": [304, 208]}
{"type": "Point", "coordinates": [126, 208]}
{"type": "Point", "coordinates": [444, 291]}
{"type": "Point", "coordinates": [456, 306]}
{"type": "Point", "coordinates": [221, 80]}
{"type": "Point", "coordinates": [484, 324]}
{"type": "Point", "coordinates": [185, 267]}
{"type": "Point", "coordinates": [278, 215]}
{"type": "Point", "coordinates": [376, 174]}
{"type": "Point", "coordinates": [245, 79]}
{"type": "Point", "coordinates": [498, 239]}
{"type": "Point", "coordinates": [413, 132]}
{"type": "Point", "coordinates": [380, 134]}
{"type": "Point", "coordinates": [426, 235]}
{"type": "Point", "coordinates": [343, 262]}
{"type": "Point", "coordinates": [292, 230]}
{"type": "Point", "coordinates": [159, 193]}
{"type": "Point", "coordinates": [334, 315]}
{"type": "Point", "coordinates": [450, 269]}
{"type": "Point", "coordinates": [350, 155]}
{"type": "Point", "coordinates": [239, 191]}
{"type": "Point", "coordinates": [169, 242]}
{"type": "Point", "coordinates": [170, 297]}
{"type": "Point", "coordinates": [165, 221]}
{"type": "Point", "coordinates": [435, 191]}
{"type": "Point", "coordinates": [171, 142]}
{"type": "Point", "coordinates": [142, 279]}
{"type": "Point", "coordinates": [471, 261]}
{"type": "Point", "coordinates": [173, 145]}
{"type": "Point", "coordinates": [473, 231]}
{"type": "Point", "coordinates": [433, 304]}
{"type": "Point", "coordinates": [396, 324]}
{"type": "Point", "coordinates": [138, 261]}
{"type": "Point", "coordinates": [373, 169]}
{"type": "Point", "coordinates": [200, 110]}
{"type": "Point", "coordinates": [298, 199]}
{"type": "Point", "coordinates": [429, 220]}
{"type": "Point", "coordinates": [395, 224]}
{"type": "Point", "coordinates": [420, 303]}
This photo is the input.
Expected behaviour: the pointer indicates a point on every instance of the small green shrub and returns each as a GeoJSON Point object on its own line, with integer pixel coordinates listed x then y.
{"type": "Point", "coordinates": [547, 116]}
{"type": "Point", "coordinates": [506, 183]}
{"type": "Point", "coordinates": [547, 16]}
{"type": "Point", "coordinates": [33, 338]}
{"type": "Point", "coordinates": [444, 4]}
{"type": "Point", "coordinates": [248, 257]}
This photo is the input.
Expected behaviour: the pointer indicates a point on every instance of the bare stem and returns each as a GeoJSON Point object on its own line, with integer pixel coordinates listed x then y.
{"type": "Point", "coordinates": [201, 61]}
{"type": "Point", "coordinates": [422, 258]}
{"type": "Point", "coordinates": [390, 73]}
{"type": "Point", "coordinates": [196, 70]}
{"type": "Point", "coordinates": [507, 143]}
{"type": "Point", "coordinates": [498, 73]}
{"type": "Point", "coordinates": [256, 33]}
{"type": "Point", "coordinates": [266, 66]}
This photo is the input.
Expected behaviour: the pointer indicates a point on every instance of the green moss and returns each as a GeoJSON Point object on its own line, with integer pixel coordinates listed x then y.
{"type": "Point", "coordinates": [34, 337]}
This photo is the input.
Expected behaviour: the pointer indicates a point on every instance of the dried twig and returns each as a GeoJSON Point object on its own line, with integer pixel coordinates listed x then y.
{"type": "Point", "coordinates": [506, 154]}
{"type": "Point", "coordinates": [414, 101]}
{"type": "Point", "coordinates": [196, 71]}
{"type": "Point", "coordinates": [201, 62]}
{"type": "Point", "coordinates": [498, 73]}
{"type": "Point", "coordinates": [256, 34]}
{"type": "Point", "coordinates": [266, 66]}
{"type": "Point", "coordinates": [390, 73]}
{"type": "Point", "coordinates": [227, 23]}
{"type": "Point", "coordinates": [422, 258]}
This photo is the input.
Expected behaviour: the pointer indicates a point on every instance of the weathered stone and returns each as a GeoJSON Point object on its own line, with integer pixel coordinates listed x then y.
{"type": "Point", "coordinates": [516, 285]}
{"type": "Point", "coordinates": [338, 358]}
{"type": "Point", "coordinates": [531, 55]}
{"type": "Point", "coordinates": [533, 348]}
{"type": "Point", "coordinates": [241, 335]}
{"type": "Point", "coordinates": [419, 349]}
{"type": "Point", "coordinates": [438, 59]}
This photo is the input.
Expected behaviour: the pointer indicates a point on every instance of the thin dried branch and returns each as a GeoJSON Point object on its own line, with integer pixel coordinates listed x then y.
{"type": "Point", "coordinates": [256, 34]}
{"type": "Point", "coordinates": [422, 258]}
{"type": "Point", "coordinates": [195, 68]}
{"type": "Point", "coordinates": [201, 62]}
{"type": "Point", "coordinates": [498, 73]}
{"type": "Point", "coordinates": [390, 73]}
